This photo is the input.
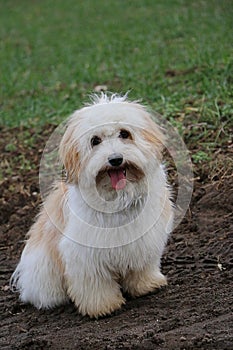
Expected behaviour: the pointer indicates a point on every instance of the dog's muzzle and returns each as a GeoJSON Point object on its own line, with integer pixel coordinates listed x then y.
{"type": "Point", "coordinates": [120, 172]}
{"type": "Point", "coordinates": [117, 172]}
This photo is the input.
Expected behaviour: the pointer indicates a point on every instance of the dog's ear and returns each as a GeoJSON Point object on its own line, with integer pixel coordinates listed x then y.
{"type": "Point", "coordinates": [69, 155]}
{"type": "Point", "coordinates": [154, 135]}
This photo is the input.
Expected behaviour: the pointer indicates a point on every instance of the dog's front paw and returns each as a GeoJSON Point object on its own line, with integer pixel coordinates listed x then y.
{"type": "Point", "coordinates": [139, 283]}
{"type": "Point", "coordinates": [98, 299]}
{"type": "Point", "coordinates": [102, 307]}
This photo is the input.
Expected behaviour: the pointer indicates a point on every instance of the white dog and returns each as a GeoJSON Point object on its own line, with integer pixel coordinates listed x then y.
{"type": "Point", "coordinates": [104, 229]}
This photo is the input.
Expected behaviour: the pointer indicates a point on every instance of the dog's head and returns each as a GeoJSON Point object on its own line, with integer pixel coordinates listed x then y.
{"type": "Point", "coordinates": [111, 145]}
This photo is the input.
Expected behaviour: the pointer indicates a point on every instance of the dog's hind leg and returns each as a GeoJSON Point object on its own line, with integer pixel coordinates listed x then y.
{"type": "Point", "coordinates": [38, 278]}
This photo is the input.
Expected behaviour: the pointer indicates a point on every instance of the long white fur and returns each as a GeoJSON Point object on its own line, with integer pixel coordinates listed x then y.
{"type": "Point", "coordinates": [88, 243]}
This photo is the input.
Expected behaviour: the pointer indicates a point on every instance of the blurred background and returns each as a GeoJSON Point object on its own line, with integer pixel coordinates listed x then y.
{"type": "Point", "coordinates": [175, 55]}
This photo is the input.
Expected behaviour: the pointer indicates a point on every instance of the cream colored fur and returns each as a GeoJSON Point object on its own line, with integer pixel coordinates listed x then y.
{"type": "Point", "coordinates": [91, 240]}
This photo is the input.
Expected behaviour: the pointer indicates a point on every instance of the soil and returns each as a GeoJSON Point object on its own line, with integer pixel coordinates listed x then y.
{"type": "Point", "coordinates": [193, 312]}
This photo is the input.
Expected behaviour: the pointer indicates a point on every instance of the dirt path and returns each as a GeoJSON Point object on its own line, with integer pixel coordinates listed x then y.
{"type": "Point", "coordinates": [193, 312]}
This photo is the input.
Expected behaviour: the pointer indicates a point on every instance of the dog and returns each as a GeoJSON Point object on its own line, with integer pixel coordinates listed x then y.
{"type": "Point", "coordinates": [101, 232]}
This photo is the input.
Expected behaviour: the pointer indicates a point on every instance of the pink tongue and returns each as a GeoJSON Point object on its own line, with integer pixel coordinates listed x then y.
{"type": "Point", "coordinates": [118, 179]}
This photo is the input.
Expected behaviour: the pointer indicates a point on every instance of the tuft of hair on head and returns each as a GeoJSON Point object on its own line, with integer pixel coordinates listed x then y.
{"type": "Point", "coordinates": [105, 98]}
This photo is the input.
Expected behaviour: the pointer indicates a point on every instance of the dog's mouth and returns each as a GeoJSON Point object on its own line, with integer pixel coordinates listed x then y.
{"type": "Point", "coordinates": [119, 176]}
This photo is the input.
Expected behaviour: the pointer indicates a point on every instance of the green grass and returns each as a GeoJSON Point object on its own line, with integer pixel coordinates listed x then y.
{"type": "Point", "coordinates": [175, 55]}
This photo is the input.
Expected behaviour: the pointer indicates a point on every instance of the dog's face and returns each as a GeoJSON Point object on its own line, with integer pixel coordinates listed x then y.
{"type": "Point", "coordinates": [112, 148]}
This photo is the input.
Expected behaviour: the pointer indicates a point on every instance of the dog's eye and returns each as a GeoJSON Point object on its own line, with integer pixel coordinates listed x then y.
{"type": "Point", "coordinates": [96, 140]}
{"type": "Point", "coordinates": [124, 134]}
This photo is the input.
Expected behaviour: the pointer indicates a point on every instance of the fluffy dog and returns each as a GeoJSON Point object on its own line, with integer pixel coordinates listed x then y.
{"type": "Point", "coordinates": [102, 230]}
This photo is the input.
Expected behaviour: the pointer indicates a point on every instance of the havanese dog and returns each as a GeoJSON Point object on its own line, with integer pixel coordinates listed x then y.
{"type": "Point", "coordinates": [101, 232]}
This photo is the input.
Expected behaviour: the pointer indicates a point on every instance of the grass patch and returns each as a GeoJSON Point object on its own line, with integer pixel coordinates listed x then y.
{"type": "Point", "coordinates": [176, 55]}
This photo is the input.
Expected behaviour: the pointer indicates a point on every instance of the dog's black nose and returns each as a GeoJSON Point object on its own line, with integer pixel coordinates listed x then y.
{"type": "Point", "coordinates": [115, 159]}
